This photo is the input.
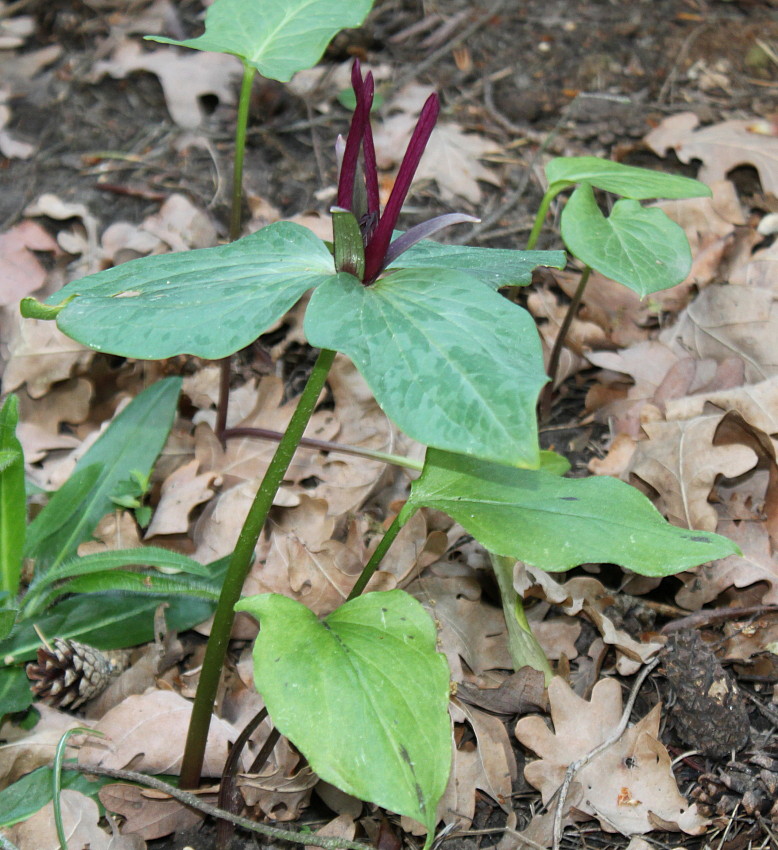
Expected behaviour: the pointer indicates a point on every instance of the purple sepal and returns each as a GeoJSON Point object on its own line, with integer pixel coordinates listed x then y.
{"type": "Point", "coordinates": [424, 231]}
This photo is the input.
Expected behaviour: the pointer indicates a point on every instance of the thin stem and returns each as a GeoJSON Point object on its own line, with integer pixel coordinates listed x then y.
{"type": "Point", "coordinates": [522, 644]}
{"type": "Point", "coordinates": [375, 559]}
{"type": "Point", "coordinates": [194, 802]}
{"type": "Point", "coordinates": [240, 564]}
{"type": "Point", "coordinates": [540, 218]}
{"type": "Point", "coordinates": [235, 217]}
{"type": "Point", "coordinates": [327, 446]}
{"type": "Point", "coordinates": [556, 351]}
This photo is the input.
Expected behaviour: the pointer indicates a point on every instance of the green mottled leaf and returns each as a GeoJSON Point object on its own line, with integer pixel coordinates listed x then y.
{"type": "Point", "coordinates": [370, 675]}
{"type": "Point", "coordinates": [494, 266]}
{"type": "Point", "coordinates": [637, 246]}
{"type": "Point", "coordinates": [277, 37]}
{"type": "Point", "coordinates": [454, 364]}
{"type": "Point", "coordinates": [211, 302]}
{"type": "Point", "coordinates": [556, 523]}
{"type": "Point", "coordinates": [625, 180]}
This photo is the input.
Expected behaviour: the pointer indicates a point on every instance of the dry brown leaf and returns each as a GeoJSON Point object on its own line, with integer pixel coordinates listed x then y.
{"type": "Point", "coordinates": [148, 732]}
{"type": "Point", "coordinates": [306, 564]}
{"type": "Point", "coordinates": [627, 786]}
{"type": "Point", "coordinates": [730, 321]}
{"type": "Point", "coordinates": [720, 147]}
{"type": "Point", "coordinates": [756, 564]}
{"type": "Point", "coordinates": [469, 629]}
{"type": "Point", "coordinates": [282, 789]}
{"type": "Point", "coordinates": [680, 461]}
{"type": "Point", "coordinates": [587, 595]}
{"type": "Point", "coordinates": [760, 269]}
{"type": "Point", "coordinates": [23, 755]}
{"type": "Point", "coordinates": [80, 818]}
{"type": "Point", "coordinates": [117, 530]}
{"type": "Point", "coordinates": [40, 419]}
{"type": "Point", "coordinates": [181, 225]}
{"type": "Point", "coordinates": [184, 77]}
{"type": "Point", "coordinates": [21, 271]}
{"type": "Point", "coordinates": [182, 491]}
{"type": "Point", "coordinates": [40, 355]}
{"type": "Point", "coordinates": [145, 816]}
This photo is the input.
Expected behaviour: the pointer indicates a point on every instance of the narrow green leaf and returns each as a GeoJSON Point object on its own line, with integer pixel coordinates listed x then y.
{"type": "Point", "coordinates": [211, 302]}
{"type": "Point", "coordinates": [454, 364]}
{"type": "Point", "coordinates": [131, 442]}
{"type": "Point", "coordinates": [277, 37]}
{"type": "Point", "coordinates": [13, 499]}
{"type": "Point", "coordinates": [145, 583]}
{"type": "Point", "coordinates": [628, 181]}
{"type": "Point", "coordinates": [15, 693]}
{"type": "Point", "coordinates": [371, 676]}
{"type": "Point", "coordinates": [109, 621]}
{"type": "Point", "coordinates": [637, 246]}
{"type": "Point", "coordinates": [34, 790]}
{"type": "Point", "coordinates": [7, 620]}
{"type": "Point", "coordinates": [556, 523]}
{"type": "Point", "coordinates": [495, 267]}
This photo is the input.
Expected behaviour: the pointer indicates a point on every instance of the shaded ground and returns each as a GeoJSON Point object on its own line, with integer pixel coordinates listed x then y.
{"type": "Point", "coordinates": [580, 78]}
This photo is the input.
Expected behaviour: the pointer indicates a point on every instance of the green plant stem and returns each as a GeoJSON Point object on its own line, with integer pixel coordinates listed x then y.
{"type": "Point", "coordinates": [375, 559]}
{"type": "Point", "coordinates": [327, 446]}
{"type": "Point", "coordinates": [239, 566]}
{"type": "Point", "coordinates": [556, 351]}
{"type": "Point", "coordinates": [523, 645]}
{"type": "Point", "coordinates": [56, 780]}
{"type": "Point", "coordinates": [542, 212]}
{"type": "Point", "coordinates": [236, 209]}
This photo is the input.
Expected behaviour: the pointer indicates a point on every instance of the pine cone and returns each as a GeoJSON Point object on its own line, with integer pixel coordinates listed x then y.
{"type": "Point", "coordinates": [69, 673]}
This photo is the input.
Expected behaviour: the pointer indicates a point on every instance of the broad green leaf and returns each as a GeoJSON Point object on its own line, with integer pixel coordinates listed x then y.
{"type": "Point", "coordinates": [145, 583]}
{"type": "Point", "coordinates": [15, 693]}
{"type": "Point", "coordinates": [33, 791]}
{"type": "Point", "coordinates": [108, 621]}
{"type": "Point", "coordinates": [13, 499]}
{"type": "Point", "coordinates": [454, 364]}
{"type": "Point", "coordinates": [637, 246]}
{"type": "Point", "coordinates": [556, 523]}
{"type": "Point", "coordinates": [626, 180]}
{"type": "Point", "coordinates": [370, 675]}
{"type": "Point", "coordinates": [495, 267]}
{"type": "Point", "coordinates": [131, 442]}
{"type": "Point", "coordinates": [277, 37]}
{"type": "Point", "coordinates": [211, 302]}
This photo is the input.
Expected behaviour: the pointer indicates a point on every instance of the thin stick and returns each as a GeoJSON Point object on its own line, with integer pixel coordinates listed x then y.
{"type": "Point", "coordinates": [194, 802]}
{"type": "Point", "coordinates": [571, 771]}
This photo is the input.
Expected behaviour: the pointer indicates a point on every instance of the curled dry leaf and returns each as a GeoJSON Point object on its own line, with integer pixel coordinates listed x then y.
{"type": "Point", "coordinates": [21, 270]}
{"type": "Point", "coordinates": [282, 789]}
{"type": "Point", "coordinates": [720, 147]}
{"type": "Point", "coordinates": [145, 815]}
{"type": "Point", "coordinates": [80, 819]}
{"type": "Point", "coordinates": [182, 491]}
{"type": "Point", "coordinates": [148, 732]}
{"type": "Point", "coordinates": [587, 595]}
{"type": "Point", "coordinates": [629, 787]}
{"type": "Point", "coordinates": [39, 427]}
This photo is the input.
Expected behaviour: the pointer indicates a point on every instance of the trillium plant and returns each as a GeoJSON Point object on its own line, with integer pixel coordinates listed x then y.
{"type": "Point", "coordinates": [363, 693]}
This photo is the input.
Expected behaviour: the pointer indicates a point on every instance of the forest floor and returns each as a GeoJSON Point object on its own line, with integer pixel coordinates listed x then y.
{"type": "Point", "coordinates": [112, 148]}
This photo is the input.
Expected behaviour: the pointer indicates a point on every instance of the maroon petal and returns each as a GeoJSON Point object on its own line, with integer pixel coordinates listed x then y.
{"type": "Point", "coordinates": [348, 170]}
{"type": "Point", "coordinates": [375, 253]}
{"type": "Point", "coordinates": [424, 231]}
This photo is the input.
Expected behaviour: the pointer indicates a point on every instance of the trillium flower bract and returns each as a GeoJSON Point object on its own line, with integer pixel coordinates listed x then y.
{"type": "Point", "coordinates": [359, 198]}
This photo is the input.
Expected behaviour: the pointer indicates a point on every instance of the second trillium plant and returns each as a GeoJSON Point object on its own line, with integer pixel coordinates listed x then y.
{"type": "Point", "coordinates": [364, 693]}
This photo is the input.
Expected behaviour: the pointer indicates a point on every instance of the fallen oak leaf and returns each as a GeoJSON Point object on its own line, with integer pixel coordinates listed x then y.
{"type": "Point", "coordinates": [182, 491]}
{"type": "Point", "coordinates": [147, 816]}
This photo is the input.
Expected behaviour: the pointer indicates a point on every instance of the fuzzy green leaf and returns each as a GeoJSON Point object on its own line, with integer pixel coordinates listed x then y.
{"type": "Point", "coordinates": [370, 675]}
{"type": "Point", "coordinates": [277, 37]}
{"type": "Point", "coordinates": [625, 180]}
{"type": "Point", "coordinates": [557, 523]}
{"type": "Point", "coordinates": [211, 302]}
{"type": "Point", "coordinates": [637, 246]}
{"type": "Point", "coordinates": [454, 364]}
{"type": "Point", "coordinates": [15, 693]}
{"type": "Point", "coordinates": [13, 499]}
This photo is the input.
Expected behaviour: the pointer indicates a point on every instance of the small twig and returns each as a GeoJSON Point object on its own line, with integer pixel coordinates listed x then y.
{"type": "Point", "coordinates": [571, 771]}
{"type": "Point", "coordinates": [191, 800]}
{"type": "Point", "coordinates": [679, 58]}
{"type": "Point", "coordinates": [718, 615]}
